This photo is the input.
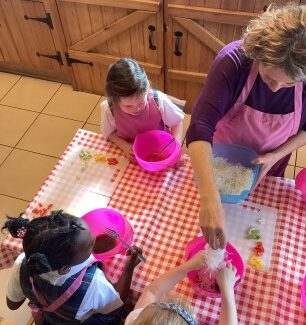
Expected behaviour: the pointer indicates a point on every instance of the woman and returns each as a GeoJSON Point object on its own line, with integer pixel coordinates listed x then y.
{"type": "Point", "coordinates": [254, 96]}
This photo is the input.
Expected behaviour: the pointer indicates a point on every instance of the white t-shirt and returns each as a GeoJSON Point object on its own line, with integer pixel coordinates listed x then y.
{"type": "Point", "coordinates": [170, 113]}
{"type": "Point", "coordinates": [100, 297]}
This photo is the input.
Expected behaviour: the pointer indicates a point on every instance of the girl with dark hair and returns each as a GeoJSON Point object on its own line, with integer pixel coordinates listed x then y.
{"type": "Point", "coordinates": [132, 107]}
{"type": "Point", "coordinates": [59, 275]}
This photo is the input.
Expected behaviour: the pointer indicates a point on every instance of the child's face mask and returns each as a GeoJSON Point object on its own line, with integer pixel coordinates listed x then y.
{"type": "Point", "coordinates": [133, 105]}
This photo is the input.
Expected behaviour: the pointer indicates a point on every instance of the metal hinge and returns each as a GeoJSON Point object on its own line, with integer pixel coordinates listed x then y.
{"type": "Point", "coordinates": [165, 27]}
{"type": "Point", "coordinates": [72, 60]}
{"type": "Point", "coordinates": [46, 20]}
{"type": "Point", "coordinates": [56, 56]}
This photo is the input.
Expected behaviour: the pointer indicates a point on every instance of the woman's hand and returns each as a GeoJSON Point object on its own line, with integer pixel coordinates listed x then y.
{"type": "Point", "coordinates": [227, 277]}
{"type": "Point", "coordinates": [212, 222]}
{"type": "Point", "coordinates": [266, 161]}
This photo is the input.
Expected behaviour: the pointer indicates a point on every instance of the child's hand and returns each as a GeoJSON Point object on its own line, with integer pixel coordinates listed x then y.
{"type": "Point", "coordinates": [133, 260]}
{"type": "Point", "coordinates": [196, 262]}
{"type": "Point", "coordinates": [128, 151]}
{"type": "Point", "coordinates": [227, 277]}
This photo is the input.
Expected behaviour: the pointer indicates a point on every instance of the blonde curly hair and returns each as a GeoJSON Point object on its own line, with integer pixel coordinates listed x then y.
{"type": "Point", "coordinates": [277, 38]}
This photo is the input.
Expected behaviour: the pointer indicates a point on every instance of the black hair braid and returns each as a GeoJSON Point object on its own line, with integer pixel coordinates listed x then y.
{"type": "Point", "coordinates": [14, 224]}
{"type": "Point", "coordinates": [38, 263]}
{"type": "Point", "coordinates": [49, 242]}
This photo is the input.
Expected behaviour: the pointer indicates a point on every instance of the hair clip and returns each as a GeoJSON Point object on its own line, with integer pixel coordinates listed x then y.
{"type": "Point", "coordinates": [179, 310]}
{"type": "Point", "coordinates": [21, 232]}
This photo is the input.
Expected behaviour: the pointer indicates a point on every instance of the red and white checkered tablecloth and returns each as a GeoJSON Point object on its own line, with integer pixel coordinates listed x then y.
{"type": "Point", "coordinates": [163, 210]}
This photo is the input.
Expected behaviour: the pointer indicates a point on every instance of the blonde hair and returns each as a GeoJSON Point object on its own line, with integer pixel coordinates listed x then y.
{"type": "Point", "coordinates": [156, 314]}
{"type": "Point", "coordinates": [277, 38]}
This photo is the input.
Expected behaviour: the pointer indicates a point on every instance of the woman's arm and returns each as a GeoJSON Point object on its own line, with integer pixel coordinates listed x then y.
{"type": "Point", "coordinates": [211, 216]}
{"type": "Point", "coordinates": [161, 286]}
{"type": "Point", "coordinates": [269, 159]}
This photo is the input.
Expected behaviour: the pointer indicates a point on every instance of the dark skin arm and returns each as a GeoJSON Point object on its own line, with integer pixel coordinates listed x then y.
{"type": "Point", "coordinates": [124, 282]}
{"type": "Point", "coordinates": [12, 305]}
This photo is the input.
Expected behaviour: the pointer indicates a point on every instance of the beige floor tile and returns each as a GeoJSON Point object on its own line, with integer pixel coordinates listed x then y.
{"type": "Point", "coordinates": [22, 174]}
{"type": "Point", "coordinates": [72, 104]}
{"type": "Point", "coordinates": [49, 135]}
{"type": "Point", "coordinates": [95, 116]}
{"type": "Point", "coordinates": [92, 127]}
{"type": "Point", "coordinates": [289, 172]}
{"type": "Point", "coordinates": [16, 317]}
{"type": "Point", "coordinates": [4, 152]}
{"type": "Point", "coordinates": [31, 94]}
{"type": "Point", "coordinates": [297, 170]}
{"type": "Point", "coordinates": [7, 81]}
{"type": "Point", "coordinates": [301, 157]}
{"type": "Point", "coordinates": [14, 123]}
{"type": "Point", "coordinates": [292, 158]}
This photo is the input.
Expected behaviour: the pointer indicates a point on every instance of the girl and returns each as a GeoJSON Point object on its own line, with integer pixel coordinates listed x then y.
{"type": "Point", "coordinates": [57, 262]}
{"type": "Point", "coordinates": [132, 107]}
{"type": "Point", "coordinates": [150, 310]}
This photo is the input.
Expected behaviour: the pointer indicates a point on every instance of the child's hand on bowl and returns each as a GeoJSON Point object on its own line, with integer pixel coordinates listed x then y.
{"type": "Point", "coordinates": [196, 262]}
{"type": "Point", "coordinates": [128, 151]}
{"type": "Point", "coordinates": [133, 259]}
{"type": "Point", "coordinates": [227, 277]}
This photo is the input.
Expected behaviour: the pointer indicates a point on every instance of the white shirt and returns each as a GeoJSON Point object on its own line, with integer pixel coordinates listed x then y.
{"type": "Point", "coordinates": [170, 113]}
{"type": "Point", "coordinates": [100, 297]}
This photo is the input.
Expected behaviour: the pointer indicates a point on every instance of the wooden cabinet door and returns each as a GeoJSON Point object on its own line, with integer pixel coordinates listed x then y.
{"type": "Point", "coordinates": [99, 32]}
{"type": "Point", "coordinates": [25, 40]}
{"type": "Point", "coordinates": [197, 30]}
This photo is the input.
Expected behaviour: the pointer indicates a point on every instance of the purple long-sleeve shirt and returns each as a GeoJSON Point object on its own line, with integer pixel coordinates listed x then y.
{"type": "Point", "coordinates": [222, 88]}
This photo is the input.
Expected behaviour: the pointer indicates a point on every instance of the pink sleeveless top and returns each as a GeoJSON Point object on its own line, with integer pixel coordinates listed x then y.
{"type": "Point", "coordinates": [262, 132]}
{"type": "Point", "coordinates": [129, 126]}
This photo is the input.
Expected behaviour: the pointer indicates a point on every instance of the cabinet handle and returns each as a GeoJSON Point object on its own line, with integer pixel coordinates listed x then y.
{"type": "Point", "coordinates": [177, 51]}
{"type": "Point", "coordinates": [151, 29]}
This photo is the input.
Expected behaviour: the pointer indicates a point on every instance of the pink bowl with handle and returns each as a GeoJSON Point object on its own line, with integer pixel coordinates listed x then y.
{"type": "Point", "coordinates": [303, 292]}
{"type": "Point", "coordinates": [100, 219]}
{"type": "Point", "coordinates": [199, 243]}
{"type": "Point", "coordinates": [150, 142]}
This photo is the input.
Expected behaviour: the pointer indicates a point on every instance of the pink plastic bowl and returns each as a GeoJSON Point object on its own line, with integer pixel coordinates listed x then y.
{"type": "Point", "coordinates": [303, 292]}
{"type": "Point", "coordinates": [300, 182]}
{"type": "Point", "coordinates": [199, 243]}
{"type": "Point", "coordinates": [100, 219]}
{"type": "Point", "coordinates": [151, 142]}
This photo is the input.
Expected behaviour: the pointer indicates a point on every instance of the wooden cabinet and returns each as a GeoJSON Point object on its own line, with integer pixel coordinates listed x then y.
{"type": "Point", "coordinates": [98, 33]}
{"type": "Point", "coordinates": [175, 40]}
{"type": "Point", "coordinates": [29, 43]}
{"type": "Point", "coordinates": [197, 30]}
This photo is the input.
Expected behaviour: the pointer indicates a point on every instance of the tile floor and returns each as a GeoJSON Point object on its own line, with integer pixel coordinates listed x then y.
{"type": "Point", "coordinates": [38, 118]}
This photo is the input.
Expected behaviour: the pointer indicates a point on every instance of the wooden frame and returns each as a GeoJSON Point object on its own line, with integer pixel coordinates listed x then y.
{"type": "Point", "coordinates": [212, 15]}
{"type": "Point", "coordinates": [130, 4]}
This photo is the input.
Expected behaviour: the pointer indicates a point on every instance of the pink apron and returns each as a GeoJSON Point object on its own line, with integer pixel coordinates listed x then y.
{"type": "Point", "coordinates": [37, 313]}
{"type": "Point", "coordinates": [262, 132]}
{"type": "Point", "coordinates": [129, 126]}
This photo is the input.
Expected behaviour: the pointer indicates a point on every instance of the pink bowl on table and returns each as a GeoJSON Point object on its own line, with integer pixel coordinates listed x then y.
{"type": "Point", "coordinates": [150, 142]}
{"type": "Point", "coordinates": [303, 292]}
{"type": "Point", "coordinates": [199, 243]}
{"type": "Point", "coordinates": [100, 219]}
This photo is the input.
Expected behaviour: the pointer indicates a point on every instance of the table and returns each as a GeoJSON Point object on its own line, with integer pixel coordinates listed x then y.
{"type": "Point", "coordinates": [163, 210]}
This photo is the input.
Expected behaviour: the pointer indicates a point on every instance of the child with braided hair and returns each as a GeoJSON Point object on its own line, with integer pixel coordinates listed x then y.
{"type": "Point", "coordinates": [59, 275]}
